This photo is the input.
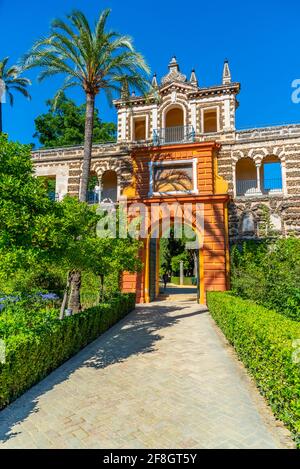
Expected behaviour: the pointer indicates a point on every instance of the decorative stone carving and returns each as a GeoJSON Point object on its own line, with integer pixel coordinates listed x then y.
{"type": "Point", "coordinates": [174, 73]}
{"type": "Point", "coordinates": [248, 224]}
{"type": "Point", "coordinates": [275, 222]}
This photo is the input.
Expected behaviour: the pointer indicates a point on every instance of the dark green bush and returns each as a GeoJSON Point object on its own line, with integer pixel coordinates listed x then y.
{"type": "Point", "coordinates": [264, 341]}
{"type": "Point", "coordinates": [268, 273]}
{"type": "Point", "coordinates": [33, 353]}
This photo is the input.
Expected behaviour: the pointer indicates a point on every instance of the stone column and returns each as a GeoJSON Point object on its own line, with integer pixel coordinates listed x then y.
{"type": "Point", "coordinates": [234, 178]}
{"type": "Point", "coordinates": [258, 166]}
{"type": "Point", "coordinates": [100, 190]}
{"type": "Point", "coordinates": [283, 177]}
{"type": "Point", "coordinates": [181, 273]}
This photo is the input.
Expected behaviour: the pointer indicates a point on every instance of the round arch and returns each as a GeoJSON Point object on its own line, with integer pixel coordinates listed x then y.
{"type": "Point", "coordinates": [109, 186]}
{"type": "Point", "coordinates": [174, 108]}
{"type": "Point", "coordinates": [271, 173]}
{"type": "Point", "coordinates": [245, 176]}
{"type": "Point", "coordinates": [152, 245]}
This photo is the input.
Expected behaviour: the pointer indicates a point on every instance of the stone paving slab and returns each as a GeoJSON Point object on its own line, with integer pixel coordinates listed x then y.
{"type": "Point", "coordinates": [163, 377]}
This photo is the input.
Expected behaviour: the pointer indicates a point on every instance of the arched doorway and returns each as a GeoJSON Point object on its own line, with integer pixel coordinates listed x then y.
{"type": "Point", "coordinates": [173, 265]}
{"type": "Point", "coordinates": [174, 125]}
{"type": "Point", "coordinates": [109, 183]}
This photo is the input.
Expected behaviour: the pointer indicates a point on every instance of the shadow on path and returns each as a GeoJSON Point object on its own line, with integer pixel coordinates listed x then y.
{"type": "Point", "coordinates": [135, 334]}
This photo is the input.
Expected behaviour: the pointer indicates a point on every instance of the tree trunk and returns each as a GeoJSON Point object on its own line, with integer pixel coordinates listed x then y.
{"type": "Point", "coordinates": [88, 143]}
{"type": "Point", "coordinates": [101, 287]}
{"type": "Point", "coordinates": [0, 115]}
{"type": "Point", "coordinates": [65, 298]}
{"type": "Point", "coordinates": [74, 299]}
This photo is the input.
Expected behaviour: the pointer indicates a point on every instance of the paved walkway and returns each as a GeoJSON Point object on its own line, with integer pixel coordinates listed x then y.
{"type": "Point", "coordinates": [161, 378]}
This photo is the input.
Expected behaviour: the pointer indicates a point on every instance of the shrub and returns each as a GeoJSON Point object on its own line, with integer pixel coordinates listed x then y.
{"type": "Point", "coordinates": [269, 273]}
{"type": "Point", "coordinates": [263, 340]}
{"type": "Point", "coordinates": [33, 353]}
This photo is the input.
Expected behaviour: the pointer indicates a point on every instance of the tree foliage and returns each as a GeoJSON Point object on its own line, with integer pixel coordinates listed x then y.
{"type": "Point", "coordinates": [95, 59]}
{"type": "Point", "coordinates": [37, 232]}
{"type": "Point", "coordinates": [64, 124]}
{"type": "Point", "coordinates": [23, 203]}
{"type": "Point", "coordinates": [269, 273]}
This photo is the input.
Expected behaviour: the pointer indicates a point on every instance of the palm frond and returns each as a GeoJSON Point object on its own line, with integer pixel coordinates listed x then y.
{"type": "Point", "coordinates": [101, 23]}
{"type": "Point", "coordinates": [11, 97]}
{"type": "Point", "coordinates": [21, 90]}
{"type": "Point", "coordinates": [12, 80]}
{"type": "Point", "coordinates": [97, 59]}
{"type": "Point", "coordinates": [66, 85]}
{"type": "Point", "coordinates": [3, 63]}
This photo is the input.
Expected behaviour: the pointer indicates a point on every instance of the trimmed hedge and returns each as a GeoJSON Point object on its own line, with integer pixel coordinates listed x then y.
{"type": "Point", "coordinates": [32, 356]}
{"type": "Point", "coordinates": [263, 340]}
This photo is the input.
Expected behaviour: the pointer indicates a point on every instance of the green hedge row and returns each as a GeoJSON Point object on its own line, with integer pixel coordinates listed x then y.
{"type": "Point", "coordinates": [32, 356]}
{"type": "Point", "coordinates": [186, 280]}
{"type": "Point", "coordinates": [264, 341]}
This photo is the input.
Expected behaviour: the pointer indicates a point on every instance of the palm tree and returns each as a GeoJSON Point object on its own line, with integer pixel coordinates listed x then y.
{"type": "Point", "coordinates": [10, 81]}
{"type": "Point", "coordinates": [93, 59]}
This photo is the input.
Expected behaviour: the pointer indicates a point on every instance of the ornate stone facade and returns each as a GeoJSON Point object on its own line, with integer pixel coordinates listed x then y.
{"type": "Point", "coordinates": [179, 110]}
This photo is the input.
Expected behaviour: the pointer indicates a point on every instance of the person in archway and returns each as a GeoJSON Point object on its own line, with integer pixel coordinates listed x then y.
{"type": "Point", "coordinates": [97, 193]}
{"type": "Point", "coordinates": [165, 280]}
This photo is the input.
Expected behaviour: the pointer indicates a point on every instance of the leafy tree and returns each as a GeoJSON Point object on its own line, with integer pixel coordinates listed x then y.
{"type": "Point", "coordinates": [173, 248]}
{"type": "Point", "coordinates": [76, 246]}
{"type": "Point", "coordinates": [11, 81]}
{"type": "Point", "coordinates": [176, 260]}
{"type": "Point", "coordinates": [64, 124]}
{"type": "Point", "coordinates": [23, 201]}
{"type": "Point", "coordinates": [95, 60]}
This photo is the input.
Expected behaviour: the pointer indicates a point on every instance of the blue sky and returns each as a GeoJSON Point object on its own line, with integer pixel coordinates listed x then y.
{"type": "Point", "coordinates": [260, 39]}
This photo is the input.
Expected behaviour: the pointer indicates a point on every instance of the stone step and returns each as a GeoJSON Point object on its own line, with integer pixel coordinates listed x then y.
{"type": "Point", "coordinates": [177, 297]}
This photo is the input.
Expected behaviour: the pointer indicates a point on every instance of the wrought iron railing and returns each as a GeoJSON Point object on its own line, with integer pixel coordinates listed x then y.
{"type": "Point", "coordinates": [250, 187]}
{"type": "Point", "coordinates": [106, 196]}
{"type": "Point", "coordinates": [178, 134]}
{"type": "Point", "coordinates": [247, 187]}
{"type": "Point", "coordinates": [53, 196]}
{"type": "Point", "coordinates": [272, 184]}
{"type": "Point", "coordinates": [93, 197]}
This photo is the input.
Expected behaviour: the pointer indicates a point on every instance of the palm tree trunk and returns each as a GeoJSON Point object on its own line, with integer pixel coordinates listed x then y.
{"type": "Point", "coordinates": [0, 115]}
{"type": "Point", "coordinates": [88, 143]}
{"type": "Point", "coordinates": [74, 299]}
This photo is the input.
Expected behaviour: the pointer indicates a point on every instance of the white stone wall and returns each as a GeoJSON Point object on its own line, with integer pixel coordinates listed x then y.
{"type": "Point", "coordinates": [61, 174]}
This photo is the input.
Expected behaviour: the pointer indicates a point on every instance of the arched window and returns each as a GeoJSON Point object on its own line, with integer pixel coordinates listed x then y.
{"type": "Point", "coordinates": [246, 177]}
{"type": "Point", "coordinates": [210, 123]}
{"type": "Point", "coordinates": [93, 195]}
{"type": "Point", "coordinates": [271, 174]}
{"type": "Point", "coordinates": [174, 125]}
{"type": "Point", "coordinates": [175, 117]}
{"type": "Point", "coordinates": [139, 129]}
{"type": "Point", "coordinates": [109, 184]}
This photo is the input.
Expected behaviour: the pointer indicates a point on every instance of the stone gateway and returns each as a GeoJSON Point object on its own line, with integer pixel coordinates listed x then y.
{"type": "Point", "coordinates": [179, 144]}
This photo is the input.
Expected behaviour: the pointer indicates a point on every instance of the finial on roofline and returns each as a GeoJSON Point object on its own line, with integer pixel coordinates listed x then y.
{"type": "Point", "coordinates": [226, 79]}
{"type": "Point", "coordinates": [154, 81]}
{"type": "Point", "coordinates": [193, 79]}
